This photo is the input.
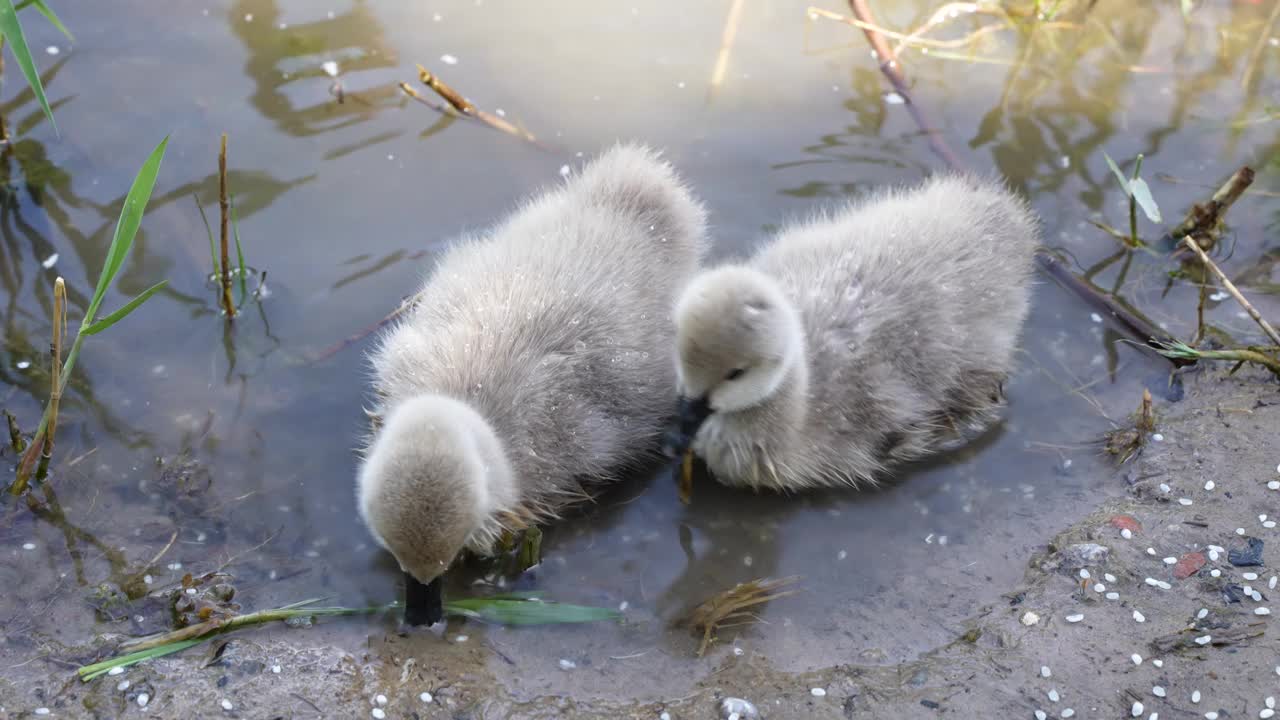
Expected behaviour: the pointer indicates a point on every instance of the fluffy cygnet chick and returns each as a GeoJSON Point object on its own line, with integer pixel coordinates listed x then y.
{"type": "Point", "coordinates": [534, 359]}
{"type": "Point", "coordinates": [856, 340]}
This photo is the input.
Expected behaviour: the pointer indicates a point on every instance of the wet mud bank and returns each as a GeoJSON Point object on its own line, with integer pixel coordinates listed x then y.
{"type": "Point", "coordinates": [1159, 601]}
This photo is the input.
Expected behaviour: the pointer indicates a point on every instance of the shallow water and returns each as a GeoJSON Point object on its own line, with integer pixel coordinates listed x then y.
{"type": "Point", "coordinates": [345, 203]}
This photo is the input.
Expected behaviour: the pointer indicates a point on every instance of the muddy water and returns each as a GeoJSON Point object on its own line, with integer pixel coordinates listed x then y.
{"type": "Point", "coordinates": [236, 444]}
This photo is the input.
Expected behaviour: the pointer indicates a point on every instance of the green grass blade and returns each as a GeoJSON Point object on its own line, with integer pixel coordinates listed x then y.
{"type": "Point", "coordinates": [527, 612]}
{"type": "Point", "coordinates": [1124, 181]}
{"type": "Point", "coordinates": [49, 15]}
{"type": "Point", "coordinates": [213, 247]}
{"type": "Point", "coordinates": [135, 204]}
{"type": "Point", "coordinates": [89, 672]}
{"type": "Point", "coordinates": [235, 231]}
{"type": "Point", "coordinates": [123, 312]}
{"type": "Point", "coordinates": [1142, 193]}
{"type": "Point", "coordinates": [12, 31]}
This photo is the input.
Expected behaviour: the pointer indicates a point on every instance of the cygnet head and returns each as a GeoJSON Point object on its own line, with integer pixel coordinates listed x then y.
{"type": "Point", "coordinates": [431, 480]}
{"type": "Point", "coordinates": [737, 338]}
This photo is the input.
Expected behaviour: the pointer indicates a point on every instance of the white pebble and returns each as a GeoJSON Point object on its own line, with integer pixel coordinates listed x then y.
{"type": "Point", "coordinates": [1270, 702]}
{"type": "Point", "coordinates": [115, 671]}
{"type": "Point", "coordinates": [1267, 713]}
{"type": "Point", "coordinates": [1204, 640]}
{"type": "Point", "coordinates": [1136, 658]}
{"type": "Point", "coordinates": [1113, 596]}
{"type": "Point", "coordinates": [1215, 572]}
{"type": "Point", "coordinates": [1139, 616]}
{"type": "Point", "coordinates": [1084, 573]}
{"type": "Point", "coordinates": [1151, 551]}
{"type": "Point", "coordinates": [448, 59]}
{"type": "Point", "coordinates": [1213, 554]}
{"type": "Point", "coordinates": [1204, 612]}
{"type": "Point", "coordinates": [1099, 588]}
{"type": "Point", "coordinates": [664, 716]}
{"type": "Point", "coordinates": [460, 638]}
{"type": "Point", "coordinates": [23, 364]}
{"type": "Point", "coordinates": [564, 171]}
{"type": "Point", "coordinates": [330, 68]}
{"type": "Point", "coordinates": [1164, 487]}
{"type": "Point", "coordinates": [123, 685]}
{"type": "Point", "coordinates": [1095, 317]}
{"type": "Point", "coordinates": [566, 664]}
{"type": "Point", "coordinates": [226, 704]}
{"type": "Point", "coordinates": [1068, 712]}
{"type": "Point", "coordinates": [1249, 576]}
{"type": "Point", "coordinates": [1239, 531]}
{"type": "Point", "coordinates": [1108, 577]}
{"type": "Point", "coordinates": [1075, 618]}
{"type": "Point", "coordinates": [143, 699]}
{"type": "Point", "coordinates": [1195, 696]}
{"type": "Point", "coordinates": [1269, 524]}
{"type": "Point", "coordinates": [1126, 533]}
{"type": "Point", "coordinates": [1158, 663]}
{"type": "Point", "coordinates": [1273, 485]}
{"type": "Point", "coordinates": [379, 714]}
{"type": "Point", "coordinates": [1053, 696]}
{"type": "Point", "coordinates": [1041, 715]}
{"type": "Point", "coordinates": [1211, 715]}
{"type": "Point", "coordinates": [1045, 672]}
{"type": "Point", "coordinates": [1184, 501]}
{"type": "Point", "coordinates": [1137, 710]}
{"type": "Point", "coordinates": [817, 692]}
{"type": "Point", "coordinates": [1272, 582]}
{"type": "Point", "coordinates": [32, 546]}
{"type": "Point", "coordinates": [1158, 691]}
{"type": "Point", "coordinates": [1029, 618]}
{"type": "Point", "coordinates": [1171, 561]}
{"type": "Point", "coordinates": [1157, 437]}
{"type": "Point", "coordinates": [1150, 581]}
{"type": "Point", "coordinates": [380, 699]}
{"type": "Point", "coordinates": [42, 711]}
{"type": "Point", "coordinates": [276, 669]}
{"type": "Point", "coordinates": [50, 261]}
{"type": "Point", "coordinates": [1209, 485]}
{"type": "Point", "coordinates": [425, 697]}
{"type": "Point", "coordinates": [1261, 611]}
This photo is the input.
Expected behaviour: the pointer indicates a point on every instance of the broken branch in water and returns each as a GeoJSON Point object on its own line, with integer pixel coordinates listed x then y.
{"type": "Point", "coordinates": [1231, 288]}
{"type": "Point", "coordinates": [1137, 327]}
{"type": "Point", "coordinates": [228, 306]}
{"type": "Point", "coordinates": [55, 373]}
{"type": "Point", "coordinates": [465, 107]}
{"type": "Point", "coordinates": [892, 70]}
{"type": "Point", "coordinates": [1203, 221]}
{"type": "Point", "coordinates": [732, 604]}
{"type": "Point", "coordinates": [1182, 351]}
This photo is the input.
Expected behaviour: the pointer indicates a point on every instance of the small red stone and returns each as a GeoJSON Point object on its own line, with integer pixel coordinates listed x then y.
{"type": "Point", "coordinates": [1126, 522]}
{"type": "Point", "coordinates": [1188, 565]}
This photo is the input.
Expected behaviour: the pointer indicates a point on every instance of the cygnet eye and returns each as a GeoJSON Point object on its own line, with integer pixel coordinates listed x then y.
{"type": "Point", "coordinates": [734, 374]}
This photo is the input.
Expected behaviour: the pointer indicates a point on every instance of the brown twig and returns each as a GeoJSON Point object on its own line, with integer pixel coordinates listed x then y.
{"type": "Point", "coordinates": [727, 36]}
{"type": "Point", "coordinates": [1231, 288]}
{"type": "Point", "coordinates": [466, 108]}
{"type": "Point", "coordinates": [16, 440]}
{"type": "Point", "coordinates": [350, 340]}
{"type": "Point", "coordinates": [893, 71]}
{"type": "Point", "coordinates": [55, 374]}
{"type": "Point", "coordinates": [1138, 327]}
{"type": "Point", "coordinates": [228, 305]}
{"type": "Point", "coordinates": [1202, 220]}
{"type": "Point", "coordinates": [733, 603]}
{"type": "Point", "coordinates": [415, 95]}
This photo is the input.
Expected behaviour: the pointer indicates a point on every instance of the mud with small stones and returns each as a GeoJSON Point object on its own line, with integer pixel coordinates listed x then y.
{"type": "Point", "coordinates": [1057, 635]}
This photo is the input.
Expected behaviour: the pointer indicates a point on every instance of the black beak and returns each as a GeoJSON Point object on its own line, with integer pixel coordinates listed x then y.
{"type": "Point", "coordinates": [691, 414]}
{"type": "Point", "coordinates": [423, 604]}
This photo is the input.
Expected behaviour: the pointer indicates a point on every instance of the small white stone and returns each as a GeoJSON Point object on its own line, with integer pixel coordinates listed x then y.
{"type": "Point", "coordinates": [564, 171]}
{"type": "Point", "coordinates": [842, 555]}
{"type": "Point", "coordinates": [380, 699]}
{"type": "Point", "coordinates": [1158, 691]}
{"type": "Point", "coordinates": [1171, 561]}
{"type": "Point", "coordinates": [1108, 577]}
{"type": "Point", "coordinates": [123, 685]}
{"type": "Point", "coordinates": [1261, 611]}
{"type": "Point", "coordinates": [143, 699]}
{"type": "Point", "coordinates": [1184, 501]}
{"type": "Point", "coordinates": [1139, 616]}
{"type": "Point", "coordinates": [448, 59]}
{"type": "Point", "coordinates": [1270, 702]}
{"type": "Point", "coordinates": [1269, 524]}
{"type": "Point", "coordinates": [1136, 711]}
{"type": "Point", "coordinates": [1157, 437]}
{"type": "Point", "coordinates": [665, 716]}
{"type": "Point", "coordinates": [1215, 572]}
{"type": "Point", "coordinates": [1272, 582]}
{"type": "Point", "coordinates": [1029, 618]}
{"type": "Point", "coordinates": [1126, 533]}
{"type": "Point", "coordinates": [460, 639]}
{"type": "Point", "coordinates": [1113, 596]}
{"type": "Point", "coordinates": [1068, 712]}
{"type": "Point", "coordinates": [1249, 576]}
{"type": "Point", "coordinates": [1053, 695]}
{"type": "Point", "coordinates": [1136, 658]}
{"type": "Point", "coordinates": [1042, 715]}
{"type": "Point", "coordinates": [1084, 573]}
{"type": "Point", "coordinates": [1075, 618]}
{"type": "Point", "coordinates": [1151, 551]}
{"type": "Point", "coordinates": [817, 692]}
{"type": "Point", "coordinates": [1209, 485]}
{"type": "Point", "coordinates": [330, 68]}
{"type": "Point", "coordinates": [50, 261]}
{"type": "Point", "coordinates": [425, 697]}
{"type": "Point", "coordinates": [1273, 484]}
{"type": "Point", "coordinates": [226, 705]}
{"type": "Point", "coordinates": [147, 579]}
{"type": "Point", "coordinates": [1202, 614]}
{"type": "Point", "coordinates": [1204, 640]}
{"type": "Point", "coordinates": [32, 546]}
{"type": "Point", "coordinates": [566, 664]}
{"type": "Point", "coordinates": [115, 671]}
{"type": "Point", "coordinates": [1211, 715]}
{"type": "Point", "coordinates": [1164, 488]}
{"type": "Point", "coordinates": [1158, 663]}
{"type": "Point", "coordinates": [1045, 672]}
{"type": "Point", "coordinates": [1267, 713]}
{"type": "Point", "coordinates": [23, 364]}
{"type": "Point", "coordinates": [42, 711]}
{"type": "Point", "coordinates": [1213, 554]}
{"type": "Point", "coordinates": [379, 714]}
{"type": "Point", "coordinates": [1095, 317]}
{"type": "Point", "coordinates": [1099, 588]}
{"type": "Point", "coordinates": [1239, 531]}
{"type": "Point", "coordinates": [1195, 696]}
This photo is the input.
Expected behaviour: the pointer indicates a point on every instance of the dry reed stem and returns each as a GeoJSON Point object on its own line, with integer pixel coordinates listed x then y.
{"type": "Point", "coordinates": [55, 373]}
{"type": "Point", "coordinates": [1231, 288]}
{"type": "Point", "coordinates": [1256, 54]}
{"type": "Point", "coordinates": [1203, 219]}
{"type": "Point", "coordinates": [733, 603]}
{"type": "Point", "coordinates": [465, 106]}
{"type": "Point", "coordinates": [228, 305]}
{"type": "Point", "coordinates": [915, 38]}
{"type": "Point", "coordinates": [415, 95]}
{"type": "Point", "coordinates": [727, 37]}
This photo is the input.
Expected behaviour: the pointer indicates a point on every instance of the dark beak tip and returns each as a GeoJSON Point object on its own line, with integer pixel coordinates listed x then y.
{"type": "Point", "coordinates": [423, 604]}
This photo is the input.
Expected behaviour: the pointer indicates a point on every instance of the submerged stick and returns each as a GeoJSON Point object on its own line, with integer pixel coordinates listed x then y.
{"type": "Point", "coordinates": [1203, 219]}
{"type": "Point", "coordinates": [892, 70]}
{"type": "Point", "coordinates": [1231, 288]}
{"type": "Point", "coordinates": [468, 109]}
{"type": "Point", "coordinates": [1138, 327]}
{"type": "Point", "coordinates": [224, 206]}
{"type": "Point", "coordinates": [730, 32]}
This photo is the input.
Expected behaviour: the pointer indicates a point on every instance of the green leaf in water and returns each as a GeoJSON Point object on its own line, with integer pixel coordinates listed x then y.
{"type": "Point", "coordinates": [11, 29]}
{"type": "Point", "coordinates": [1142, 193]}
{"type": "Point", "coordinates": [1124, 181]}
{"type": "Point", "coordinates": [123, 312]}
{"type": "Point", "coordinates": [49, 15]}
{"type": "Point", "coordinates": [507, 611]}
{"type": "Point", "coordinates": [89, 672]}
{"type": "Point", "coordinates": [135, 204]}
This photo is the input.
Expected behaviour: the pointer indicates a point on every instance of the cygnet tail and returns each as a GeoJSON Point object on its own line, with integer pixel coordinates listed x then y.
{"type": "Point", "coordinates": [632, 179]}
